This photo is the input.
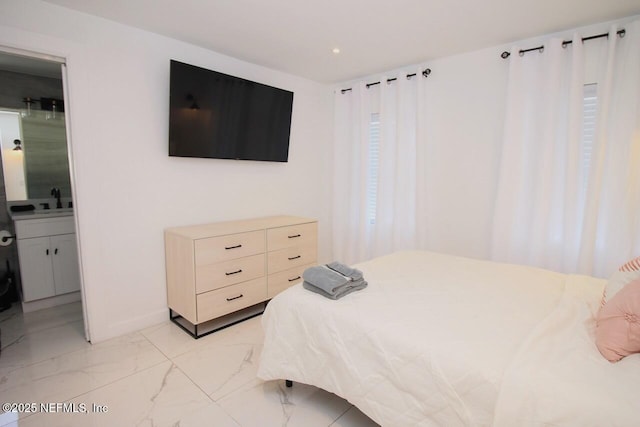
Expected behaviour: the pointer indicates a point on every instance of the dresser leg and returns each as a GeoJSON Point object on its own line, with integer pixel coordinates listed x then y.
{"type": "Point", "coordinates": [288, 383]}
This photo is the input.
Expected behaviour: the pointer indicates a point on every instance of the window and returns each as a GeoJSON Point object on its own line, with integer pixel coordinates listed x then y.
{"type": "Point", "coordinates": [374, 163]}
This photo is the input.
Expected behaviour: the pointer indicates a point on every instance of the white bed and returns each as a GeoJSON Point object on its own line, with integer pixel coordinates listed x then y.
{"type": "Point", "coordinates": [448, 341]}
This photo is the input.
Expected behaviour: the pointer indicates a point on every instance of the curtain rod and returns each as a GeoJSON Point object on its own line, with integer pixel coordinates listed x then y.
{"type": "Point", "coordinates": [506, 54]}
{"type": "Point", "coordinates": [425, 73]}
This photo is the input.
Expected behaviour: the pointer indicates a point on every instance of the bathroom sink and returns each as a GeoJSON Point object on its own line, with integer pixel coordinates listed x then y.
{"type": "Point", "coordinates": [41, 213]}
{"type": "Point", "coordinates": [52, 211]}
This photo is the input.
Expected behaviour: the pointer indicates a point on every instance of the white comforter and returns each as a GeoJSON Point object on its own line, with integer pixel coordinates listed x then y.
{"type": "Point", "coordinates": [442, 340]}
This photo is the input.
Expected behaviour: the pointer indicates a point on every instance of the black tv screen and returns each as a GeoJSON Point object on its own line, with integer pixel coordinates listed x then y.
{"type": "Point", "coordinates": [219, 116]}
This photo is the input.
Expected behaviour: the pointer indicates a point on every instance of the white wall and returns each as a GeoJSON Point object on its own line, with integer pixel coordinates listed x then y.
{"type": "Point", "coordinates": [466, 108]}
{"type": "Point", "coordinates": [465, 117]}
{"type": "Point", "coordinates": [127, 189]}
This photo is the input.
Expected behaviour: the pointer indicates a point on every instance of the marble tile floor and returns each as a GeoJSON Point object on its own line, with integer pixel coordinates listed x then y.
{"type": "Point", "coordinates": [159, 376]}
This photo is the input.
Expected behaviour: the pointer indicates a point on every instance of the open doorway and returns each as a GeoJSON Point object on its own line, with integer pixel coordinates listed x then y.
{"type": "Point", "coordinates": [40, 275]}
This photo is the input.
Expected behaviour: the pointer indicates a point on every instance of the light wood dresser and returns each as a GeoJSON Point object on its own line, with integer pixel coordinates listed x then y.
{"type": "Point", "coordinates": [221, 273]}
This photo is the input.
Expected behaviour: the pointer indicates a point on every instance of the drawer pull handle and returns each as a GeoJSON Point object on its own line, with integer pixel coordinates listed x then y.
{"type": "Point", "coordinates": [55, 252]}
{"type": "Point", "coordinates": [47, 251]}
{"type": "Point", "coordinates": [233, 272]}
{"type": "Point", "coordinates": [231, 299]}
{"type": "Point", "coordinates": [294, 279]}
{"type": "Point", "coordinates": [295, 257]}
{"type": "Point", "coordinates": [232, 247]}
{"type": "Point", "coordinates": [294, 236]}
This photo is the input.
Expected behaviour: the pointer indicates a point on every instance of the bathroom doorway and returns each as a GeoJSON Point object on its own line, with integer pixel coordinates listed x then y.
{"type": "Point", "coordinates": [37, 194]}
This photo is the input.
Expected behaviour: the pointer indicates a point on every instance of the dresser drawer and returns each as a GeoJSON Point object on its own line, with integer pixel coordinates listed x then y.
{"type": "Point", "coordinates": [292, 235]}
{"type": "Point", "coordinates": [226, 300]}
{"type": "Point", "coordinates": [221, 274]}
{"type": "Point", "coordinates": [287, 258]}
{"type": "Point", "coordinates": [222, 248]}
{"type": "Point", "coordinates": [278, 282]}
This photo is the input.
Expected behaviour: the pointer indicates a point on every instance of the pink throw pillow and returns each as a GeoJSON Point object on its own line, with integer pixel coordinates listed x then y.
{"type": "Point", "coordinates": [625, 274]}
{"type": "Point", "coordinates": [618, 324]}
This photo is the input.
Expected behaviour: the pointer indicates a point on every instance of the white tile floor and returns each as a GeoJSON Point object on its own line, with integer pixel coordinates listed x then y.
{"type": "Point", "coordinates": [159, 376]}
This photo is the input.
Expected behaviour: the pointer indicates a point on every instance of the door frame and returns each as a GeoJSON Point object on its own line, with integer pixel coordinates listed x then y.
{"type": "Point", "coordinates": [72, 175]}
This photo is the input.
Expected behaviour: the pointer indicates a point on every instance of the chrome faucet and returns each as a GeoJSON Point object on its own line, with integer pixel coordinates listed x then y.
{"type": "Point", "coordinates": [55, 192]}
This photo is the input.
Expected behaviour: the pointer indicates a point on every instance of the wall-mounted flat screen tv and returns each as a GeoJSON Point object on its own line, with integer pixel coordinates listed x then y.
{"type": "Point", "coordinates": [215, 115]}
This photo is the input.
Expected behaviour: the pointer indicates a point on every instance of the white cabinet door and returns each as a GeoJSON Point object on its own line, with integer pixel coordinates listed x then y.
{"type": "Point", "coordinates": [65, 263]}
{"type": "Point", "coordinates": [36, 268]}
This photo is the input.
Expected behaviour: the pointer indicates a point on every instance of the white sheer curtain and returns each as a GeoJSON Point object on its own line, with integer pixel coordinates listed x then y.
{"type": "Point", "coordinates": [377, 201]}
{"type": "Point", "coordinates": [543, 217]}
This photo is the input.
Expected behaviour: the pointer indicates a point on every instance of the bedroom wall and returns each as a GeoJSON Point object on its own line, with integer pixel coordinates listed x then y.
{"type": "Point", "coordinates": [467, 103]}
{"type": "Point", "coordinates": [465, 110]}
{"type": "Point", "coordinates": [465, 113]}
{"type": "Point", "coordinates": [127, 188]}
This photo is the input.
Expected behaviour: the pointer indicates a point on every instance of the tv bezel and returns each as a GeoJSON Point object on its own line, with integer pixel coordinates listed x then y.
{"type": "Point", "coordinates": [174, 153]}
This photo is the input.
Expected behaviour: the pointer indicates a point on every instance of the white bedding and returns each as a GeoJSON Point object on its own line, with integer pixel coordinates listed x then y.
{"type": "Point", "coordinates": [442, 340]}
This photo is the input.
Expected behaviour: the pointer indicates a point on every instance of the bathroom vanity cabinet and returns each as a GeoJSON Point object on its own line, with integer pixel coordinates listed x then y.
{"type": "Point", "coordinates": [48, 257]}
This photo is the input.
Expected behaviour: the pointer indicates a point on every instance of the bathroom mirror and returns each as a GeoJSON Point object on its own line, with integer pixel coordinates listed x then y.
{"type": "Point", "coordinates": [39, 161]}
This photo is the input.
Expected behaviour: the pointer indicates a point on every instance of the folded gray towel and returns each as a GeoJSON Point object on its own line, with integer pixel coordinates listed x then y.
{"type": "Point", "coordinates": [345, 270]}
{"type": "Point", "coordinates": [324, 278]}
{"type": "Point", "coordinates": [333, 280]}
{"type": "Point", "coordinates": [345, 289]}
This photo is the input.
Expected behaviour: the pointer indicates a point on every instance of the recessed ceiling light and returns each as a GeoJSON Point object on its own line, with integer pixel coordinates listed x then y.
{"type": "Point", "coordinates": [336, 50]}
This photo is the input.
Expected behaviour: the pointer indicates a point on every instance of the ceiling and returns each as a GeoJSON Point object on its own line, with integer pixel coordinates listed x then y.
{"type": "Point", "coordinates": [298, 36]}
